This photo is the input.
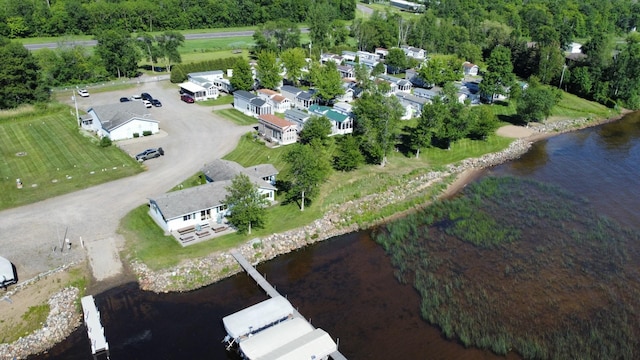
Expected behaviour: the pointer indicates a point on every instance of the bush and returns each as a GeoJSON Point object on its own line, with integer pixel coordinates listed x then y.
{"type": "Point", "coordinates": [146, 133]}
{"type": "Point", "coordinates": [136, 135]}
{"type": "Point", "coordinates": [105, 141]}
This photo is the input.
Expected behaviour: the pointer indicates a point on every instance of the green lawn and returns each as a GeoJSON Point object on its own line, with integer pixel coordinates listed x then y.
{"type": "Point", "coordinates": [46, 151]}
{"type": "Point", "coordinates": [221, 100]}
{"type": "Point", "coordinates": [236, 117]}
{"type": "Point", "coordinates": [572, 106]}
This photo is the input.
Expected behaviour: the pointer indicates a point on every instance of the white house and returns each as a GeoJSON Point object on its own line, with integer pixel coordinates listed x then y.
{"type": "Point", "coordinates": [343, 108]}
{"type": "Point", "coordinates": [202, 85]}
{"type": "Point", "coordinates": [200, 91]}
{"type": "Point", "coordinates": [278, 102]}
{"type": "Point", "coordinates": [470, 69]}
{"type": "Point", "coordinates": [340, 123]}
{"type": "Point", "coordinates": [397, 83]}
{"type": "Point", "coordinates": [120, 121]}
{"type": "Point", "coordinates": [300, 99]}
{"type": "Point", "coordinates": [381, 52]}
{"type": "Point", "coordinates": [250, 104]}
{"type": "Point", "coordinates": [346, 71]}
{"type": "Point", "coordinates": [277, 130]}
{"type": "Point", "coordinates": [331, 57]}
{"type": "Point", "coordinates": [204, 204]}
{"type": "Point", "coordinates": [349, 55]}
{"type": "Point", "coordinates": [414, 52]}
{"type": "Point", "coordinates": [412, 104]}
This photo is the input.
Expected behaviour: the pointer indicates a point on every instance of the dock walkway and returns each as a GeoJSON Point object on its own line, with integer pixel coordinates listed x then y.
{"type": "Point", "coordinates": [95, 331]}
{"type": "Point", "coordinates": [270, 290]}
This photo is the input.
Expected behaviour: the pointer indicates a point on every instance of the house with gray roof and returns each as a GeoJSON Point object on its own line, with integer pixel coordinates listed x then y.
{"type": "Point", "coordinates": [412, 104]}
{"type": "Point", "coordinates": [203, 206]}
{"type": "Point", "coordinates": [250, 104]}
{"type": "Point", "coordinates": [120, 121]}
{"type": "Point", "coordinates": [397, 83]}
{"type": "Point", "coordinates": [297, 117]}
{"type": "Point", "coordinates": [299, 98]}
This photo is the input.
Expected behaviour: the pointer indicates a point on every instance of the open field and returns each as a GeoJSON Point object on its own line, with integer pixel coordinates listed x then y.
{"type": "Point", "coordinates": [44, 149]}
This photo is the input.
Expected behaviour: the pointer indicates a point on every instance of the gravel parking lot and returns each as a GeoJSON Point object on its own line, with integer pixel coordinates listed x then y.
{"type": "Point", "coordinates": [191, 135]}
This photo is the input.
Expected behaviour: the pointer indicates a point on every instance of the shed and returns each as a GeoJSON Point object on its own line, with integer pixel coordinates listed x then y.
{"type": "Point", "coordinates": [257, 317]}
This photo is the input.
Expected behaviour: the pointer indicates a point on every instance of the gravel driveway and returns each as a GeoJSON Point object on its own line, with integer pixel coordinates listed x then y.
{"type": "Point", "coordinates": [191, 136]}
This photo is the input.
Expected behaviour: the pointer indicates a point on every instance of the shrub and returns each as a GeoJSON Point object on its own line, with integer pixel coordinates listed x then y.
{"type": "Point", "coordinates": [105, 141]}
{"type": "Point", "coordinates": [135, 135]}
{"type": "Point", "coordinates": [146, 133]}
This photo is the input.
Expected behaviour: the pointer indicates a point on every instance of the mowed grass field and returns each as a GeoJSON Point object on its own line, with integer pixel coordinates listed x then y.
{"type": "Point", "coordinates": [44, 149]}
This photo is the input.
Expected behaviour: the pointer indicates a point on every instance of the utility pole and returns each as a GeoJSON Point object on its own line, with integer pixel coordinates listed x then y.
{"type": "Point", "coordinates": [75, 102]}
{"type": "Point", "coordinates": [564, 67]}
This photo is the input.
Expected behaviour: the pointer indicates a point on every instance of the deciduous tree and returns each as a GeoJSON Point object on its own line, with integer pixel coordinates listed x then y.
{"type": "Point", "coordinates": [119, 52]}
{"type": "Point", "coordinates": [348, 156]}
{"type": "Point", "coordinates": [537, 101]}
{"type": "Point", "coordinates": [268, 70]}
{"type": "Point", "coordinates": [310, 167]}
{"type": "Point", "coordinates": [293, 60]}
{"type": "Point", "coordinates": [499, 76]}
{"type": "Point", "coordinates": [19, 80]}
{"type": "Point", "coordinates": [396, 60]}
{"type": "Point", "coordinates": [317, 127]}
{"type": "Point", "coordinates": [242, 78]}
{"type": "Point", "coordinates": [246, 203]}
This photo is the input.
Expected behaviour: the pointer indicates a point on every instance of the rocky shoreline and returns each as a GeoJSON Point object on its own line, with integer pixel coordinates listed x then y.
{"type": "Point", "coordinates": [193, 274]}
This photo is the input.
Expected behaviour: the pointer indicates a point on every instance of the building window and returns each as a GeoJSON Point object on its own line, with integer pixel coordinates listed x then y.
{"type": "Point", "coordinates": [186, 217]}
{"type": "Point", "coordinates": [205, 214]}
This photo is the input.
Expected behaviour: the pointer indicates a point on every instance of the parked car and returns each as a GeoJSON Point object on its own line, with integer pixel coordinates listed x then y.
{"type": "Point", "coordinates": [186, 98]}
{"type": "Point", "coordinates": [149, 154]}
{"type": "Point", "coordinates": [83, 92]}
{"type": "Point", "coordinates": [124, 99]}
{"type": "Point", "coordinates": [136, 97]}
{"type": "Point", "coordinates": [156, 103]}
{"type": "Point", "coordinates": [146, 96]}
{"type": "Point", "coordinates": [147, 103]}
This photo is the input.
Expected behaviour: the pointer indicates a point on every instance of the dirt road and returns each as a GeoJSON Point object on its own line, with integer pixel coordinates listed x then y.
{"type": "Point", "coordinates": [191, 136]}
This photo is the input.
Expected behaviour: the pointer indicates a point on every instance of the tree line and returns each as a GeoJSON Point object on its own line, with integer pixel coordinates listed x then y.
{"type": "Point", "coordinates": [20, 19]}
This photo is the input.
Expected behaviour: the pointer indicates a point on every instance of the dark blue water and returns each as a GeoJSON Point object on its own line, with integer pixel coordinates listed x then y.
{"type": "Point", "coordinates": [346, 285]}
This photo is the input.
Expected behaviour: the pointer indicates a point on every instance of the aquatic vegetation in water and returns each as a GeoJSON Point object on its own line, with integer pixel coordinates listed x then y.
{"type": "Point", "coordinates": [514, 264]}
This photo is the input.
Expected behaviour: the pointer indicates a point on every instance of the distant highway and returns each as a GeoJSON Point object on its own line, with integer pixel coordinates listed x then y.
{"type": "Point", "coordinates": [211, 35]}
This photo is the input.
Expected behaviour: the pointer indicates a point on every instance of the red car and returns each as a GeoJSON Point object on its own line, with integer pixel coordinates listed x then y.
{"type": "Point", "coordinates": [186, 98]}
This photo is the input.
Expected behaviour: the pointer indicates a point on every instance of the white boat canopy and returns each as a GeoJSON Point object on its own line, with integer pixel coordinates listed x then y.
{"type": "Point", "coordinates": [257, 317]}
{"type": "Point", "coordinates": [274, 337]}
{"type": "Point", "coordinates": [314, 345]}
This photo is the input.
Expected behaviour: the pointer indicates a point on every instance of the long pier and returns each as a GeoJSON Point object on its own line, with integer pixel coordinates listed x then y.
{"type": "Point", "coordinates": [271, 291]}
{"type": "Point", "coordinates": [95, 331]}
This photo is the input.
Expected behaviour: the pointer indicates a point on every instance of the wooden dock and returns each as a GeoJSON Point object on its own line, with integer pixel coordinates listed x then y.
{"type": "Point", "coordinates": [270, 290]}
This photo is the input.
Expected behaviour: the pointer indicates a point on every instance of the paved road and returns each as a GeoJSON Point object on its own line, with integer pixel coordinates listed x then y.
{"type": "Point", "coordinates": [211, 35]}
{"type": "Point", "coordinates": [365, 10]}
{"type": "Point", "coordinates": [191, 136]}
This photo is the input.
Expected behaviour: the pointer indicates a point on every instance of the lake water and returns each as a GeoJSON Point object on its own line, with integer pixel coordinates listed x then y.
{"type": "Point", "coordinates": [346, 285]}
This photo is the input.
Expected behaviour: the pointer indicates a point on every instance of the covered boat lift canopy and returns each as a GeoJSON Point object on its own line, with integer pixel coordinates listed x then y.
{"type": "Point", "coordinates": [274, 337]}
{"type": "Point", "coordinates": [314, 345]}
{"type": "Point", "coordinates": [257, 317]}
{"type": "Point", "coordinates": [7, 275]}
